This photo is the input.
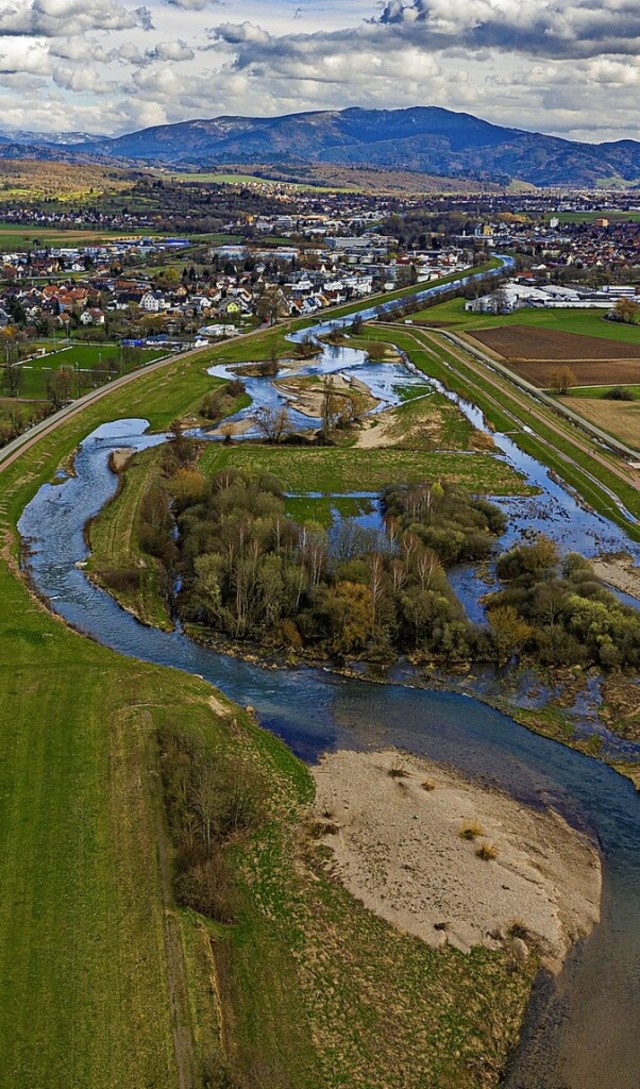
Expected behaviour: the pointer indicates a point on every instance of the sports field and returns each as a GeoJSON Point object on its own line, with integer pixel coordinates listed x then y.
{"type": "Point", "coordinates": [77, 358]}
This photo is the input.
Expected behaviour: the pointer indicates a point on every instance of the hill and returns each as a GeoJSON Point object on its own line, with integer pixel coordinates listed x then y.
{"type": "Point", "coordinates": [427, 139]}
{"type": "Point", "coordinates": [422, 139]}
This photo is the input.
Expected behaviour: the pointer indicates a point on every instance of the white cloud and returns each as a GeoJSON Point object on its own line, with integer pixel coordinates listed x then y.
{"type": "Point", "coordinates": [63, 18]}
{"type": "Point", "coordinates": [542, 64]}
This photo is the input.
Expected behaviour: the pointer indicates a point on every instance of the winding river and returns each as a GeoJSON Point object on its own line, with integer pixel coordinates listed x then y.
{"type": "Point", "coordinates": [580, 1033]}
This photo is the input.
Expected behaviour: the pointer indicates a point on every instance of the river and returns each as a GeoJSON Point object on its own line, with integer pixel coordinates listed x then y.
{"type": "Point", "coordinates": [581, 1034]}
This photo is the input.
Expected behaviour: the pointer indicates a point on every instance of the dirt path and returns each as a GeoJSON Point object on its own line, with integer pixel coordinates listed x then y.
{"type": "Point", "coordinates": [181, 1027]}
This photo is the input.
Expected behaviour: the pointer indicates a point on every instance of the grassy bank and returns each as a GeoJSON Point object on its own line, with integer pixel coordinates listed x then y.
{"type": "Point", "coordinates": [117, 561]}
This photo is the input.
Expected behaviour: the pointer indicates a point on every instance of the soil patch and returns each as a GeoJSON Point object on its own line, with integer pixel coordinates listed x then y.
{"type": "Point", "coordinates": [395, 824]}
{"type": "Point", "coordinates": [588, 372]}
{"type": "Point", "coordinates": [529, 342]}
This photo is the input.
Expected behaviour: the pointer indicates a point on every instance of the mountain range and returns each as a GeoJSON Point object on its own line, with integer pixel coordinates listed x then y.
{"type": "Point", "coordinates": [423, 139]}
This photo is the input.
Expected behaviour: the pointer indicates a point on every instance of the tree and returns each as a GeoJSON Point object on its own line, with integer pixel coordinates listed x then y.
{"type": "Point", "coordinates": [330, 406]}
{"type": "Point", "coordinates": [12, 378]}
{"type": "Point", "coordinates": [269, 304]}
{"type": "Point", "coordinates": [561, 379]}
{"type": "Point", "coordinates": [59, 387]}
{"type": "Point", "coordinates": [354, 406]}
{"type": "Point", "coordinates": [627, 311]}
{"type": "Point", "coordinates": [510, 632]}
{"type": "Point", "coordinates": [376, 351]}
{"type": "Point", "coordinates": [272, 422]}
{"type": "Point", "coordinates": [499, 301]}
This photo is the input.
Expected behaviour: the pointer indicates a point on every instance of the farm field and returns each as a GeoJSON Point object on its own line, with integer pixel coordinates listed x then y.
{"type": "Point", "coordinates": [592, 323]}
{"type": "Point", "coordinates": [604, 372]}
{"type": "Point", "coordinates": [16, 239]}
{"type": "Point", "coordinates": [619, 418]}
{"type": "Point", "coordinates": [521, 342]}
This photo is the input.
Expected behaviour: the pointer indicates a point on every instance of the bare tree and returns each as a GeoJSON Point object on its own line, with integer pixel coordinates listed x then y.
{"type": "Point", "coordinates": [272, 422]}
{"type": "Point", "coordinates": [330, 407]}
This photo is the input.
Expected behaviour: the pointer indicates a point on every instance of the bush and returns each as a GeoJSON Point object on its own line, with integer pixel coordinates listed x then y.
{"type": "Point", "coordinates": [620, 393]}
{"type": "Point", "coordinates": [205, 886]}
{"type": "Point", "coordinates": [470, 830]}
{"type": "Point", "coordinates": [487, 852]}
{"type": "Point", "coordinates": [125, 579]}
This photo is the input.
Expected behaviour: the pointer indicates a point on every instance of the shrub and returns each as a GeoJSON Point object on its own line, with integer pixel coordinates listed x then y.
{"type": "Point", "coordinates": [125, 579]}
{"type": "Point", "coordinates": [397, 771]}
{"type": "Point", "coordinates": [206, 887]}
{"type": "Point", "coordinates": [471, 830]}
{"type": "Point", "coordinates": [487, 852]}
{"type": "Point", "coordinates": [619, 393]}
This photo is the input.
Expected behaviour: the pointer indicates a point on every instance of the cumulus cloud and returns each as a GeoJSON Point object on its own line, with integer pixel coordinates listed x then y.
{"type": "Point", "coordinates": [167, 52]}
{"type": "Point", "coordinates": [542, 64]}
{"type": "Point", "coordinates": [557, 28]}
{"type": "Point", "coordinates": [63, 18]}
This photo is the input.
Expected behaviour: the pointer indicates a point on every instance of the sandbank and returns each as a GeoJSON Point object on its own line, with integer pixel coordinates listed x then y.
{"type": "Point", "coordinates": [397, 847]}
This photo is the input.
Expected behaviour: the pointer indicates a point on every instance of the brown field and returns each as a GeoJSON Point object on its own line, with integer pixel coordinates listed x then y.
{"type": "Point", "coordinates": [619, 418]}
{"type": "Point", "coordinates": [523, 342]}
{"type": "Point", "coordinates": [589, 372]}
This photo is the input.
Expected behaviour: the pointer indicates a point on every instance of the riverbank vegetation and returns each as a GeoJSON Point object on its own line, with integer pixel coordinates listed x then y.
{"type": "Point", "coordinates": [559, 613]}
{"type": "Point", "coordinates": [251, 573]}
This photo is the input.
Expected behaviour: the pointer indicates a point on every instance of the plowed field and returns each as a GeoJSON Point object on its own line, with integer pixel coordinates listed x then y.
{"type": "Point", "coordinates": [523, 342]}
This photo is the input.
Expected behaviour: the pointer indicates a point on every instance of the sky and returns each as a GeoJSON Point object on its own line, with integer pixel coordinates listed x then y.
{"type": "Point", "coordinates": [566, 67]}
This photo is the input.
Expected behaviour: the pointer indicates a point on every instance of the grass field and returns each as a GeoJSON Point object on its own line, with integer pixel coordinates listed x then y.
{"type": "Point", "coordinates": [18, 239]}
{"type": "Point", "coordinates": [261, 182]}
{"type": "Point", "coordinates": [613, 215]}
{"type": "Point", "coordinates": [36, 372]}
{"type": "Point", "coordinates": [452, 315]}
{"type": "Point", "coordinates": [330, 470]}
{"type": "Point", "coordinates": [313, 991]}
